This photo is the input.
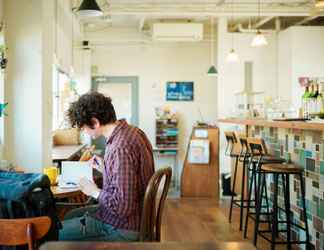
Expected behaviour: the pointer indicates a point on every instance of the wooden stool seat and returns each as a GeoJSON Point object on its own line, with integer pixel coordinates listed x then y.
{"type": "Point", "coordinates": [270, 159]}
{"type": "Point", "coordinates": [282, 168]}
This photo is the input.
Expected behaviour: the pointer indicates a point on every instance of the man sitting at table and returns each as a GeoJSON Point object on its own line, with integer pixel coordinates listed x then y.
{"type": "Point", "coordinates": [127, 168]}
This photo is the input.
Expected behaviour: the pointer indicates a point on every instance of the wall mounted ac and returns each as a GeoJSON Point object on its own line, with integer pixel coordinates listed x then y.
{"type": "Point", "coordinates": [177, 32]}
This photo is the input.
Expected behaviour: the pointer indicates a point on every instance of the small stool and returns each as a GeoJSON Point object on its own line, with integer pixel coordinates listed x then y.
{"type": "Point", "coordinates": [283, 170]}
{"type": "Point", "coordinates": [259, 157]}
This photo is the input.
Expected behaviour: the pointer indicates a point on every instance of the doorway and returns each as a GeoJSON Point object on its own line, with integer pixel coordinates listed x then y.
{"type": "Point", "coordinates": [123, 91]}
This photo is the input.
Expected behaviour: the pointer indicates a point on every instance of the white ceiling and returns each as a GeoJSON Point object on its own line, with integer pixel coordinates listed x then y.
{"type": "Point", "coordinates": [130, 13]}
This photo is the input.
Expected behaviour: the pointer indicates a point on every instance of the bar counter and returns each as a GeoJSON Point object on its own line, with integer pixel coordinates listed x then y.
{"type": "Point", "coordinates": [276, 124]}
{"type": "Point", "coordinates": [302, 143]}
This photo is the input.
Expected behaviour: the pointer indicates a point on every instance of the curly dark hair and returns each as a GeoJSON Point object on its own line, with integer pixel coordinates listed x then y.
{"type": "Point", "coordinates": [88, 106]}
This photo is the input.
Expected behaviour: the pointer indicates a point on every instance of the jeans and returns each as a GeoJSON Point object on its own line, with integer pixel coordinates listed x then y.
{"type": "Point", "coordinates": [80, 225]}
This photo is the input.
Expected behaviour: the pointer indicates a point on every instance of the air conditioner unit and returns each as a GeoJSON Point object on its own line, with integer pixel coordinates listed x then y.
{"type": "Point", "coordinates": [178, 32]}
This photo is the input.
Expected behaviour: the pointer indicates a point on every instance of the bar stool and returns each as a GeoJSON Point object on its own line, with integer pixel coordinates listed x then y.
{"type": "Point", "coordinates": [283, 170]}
{"type": "Point", "coordinates": [258, 156]}
{"type": "Point", "coordinates": [233, 152]}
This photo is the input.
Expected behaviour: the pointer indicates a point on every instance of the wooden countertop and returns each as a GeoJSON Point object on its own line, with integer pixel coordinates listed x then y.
{"type": "Point", "coordinates": [276, 124]}
{"type": "Point", "coordinates": [65, 245]}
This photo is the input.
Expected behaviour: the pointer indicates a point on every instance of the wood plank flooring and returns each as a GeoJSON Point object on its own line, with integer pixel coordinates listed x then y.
{"type": "Point", "coordinates": [197, 220]}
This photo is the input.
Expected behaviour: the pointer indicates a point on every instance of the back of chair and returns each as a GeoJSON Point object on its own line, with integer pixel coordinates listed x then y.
{"type": "Point", "coordinates": [231, 142]}
{"type": "Point", "coordinates": [151, 217]}
{"type": "Point", "coordinates": [15, 232]}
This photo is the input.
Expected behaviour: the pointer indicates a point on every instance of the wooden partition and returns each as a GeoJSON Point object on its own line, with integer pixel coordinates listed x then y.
{"type": "Point", "coordinates": [202, 180]}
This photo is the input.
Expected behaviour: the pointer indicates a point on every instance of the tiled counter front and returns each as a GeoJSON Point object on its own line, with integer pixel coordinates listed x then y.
{"type": "Point", "coordinates": [305, 148]}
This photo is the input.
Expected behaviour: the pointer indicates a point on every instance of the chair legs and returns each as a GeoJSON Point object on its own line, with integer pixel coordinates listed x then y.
{"type": "Point", "coordinates": [249, 199]}
{"type": "Point", "coordinates": [233, 189]}
{"type": "Point", "coordinates": [275, 212]}
{"type": "Point", "coordinates": [242, 195]}
{"type": "Point", "coordinates": [302, 187]}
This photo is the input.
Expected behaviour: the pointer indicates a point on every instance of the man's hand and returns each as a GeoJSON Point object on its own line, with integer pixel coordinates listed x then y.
{"type": "Point", "coordinates": [89, 188]}
{"type": "Point", "coordinates": [97, 163]}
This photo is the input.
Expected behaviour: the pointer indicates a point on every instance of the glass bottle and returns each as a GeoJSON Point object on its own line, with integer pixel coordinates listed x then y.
{"type": "Point", "coordinates": [305, 102]}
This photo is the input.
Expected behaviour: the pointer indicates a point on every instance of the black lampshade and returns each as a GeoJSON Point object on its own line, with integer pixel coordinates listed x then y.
{"type": "Point", "coordinates": [89, 8]}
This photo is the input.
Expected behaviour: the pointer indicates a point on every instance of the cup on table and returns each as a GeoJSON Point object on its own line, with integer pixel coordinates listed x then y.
{"type": "Point", "coordinates": [52, 173]}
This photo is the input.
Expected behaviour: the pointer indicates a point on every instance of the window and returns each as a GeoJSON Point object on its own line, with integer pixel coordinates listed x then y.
{"type": "Point", "coordinates": [64, 92]}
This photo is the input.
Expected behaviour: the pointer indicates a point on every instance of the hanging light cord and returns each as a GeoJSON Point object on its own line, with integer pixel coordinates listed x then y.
{"type": "Point", "coordinates": [232, 24]}
{"type": "Point", "coordinates": [211, 40]}
{"type": "Point", "coordinates": [72, 50]}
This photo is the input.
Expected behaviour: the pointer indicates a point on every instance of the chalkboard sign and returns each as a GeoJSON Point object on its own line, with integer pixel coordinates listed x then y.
{"type": "Point", "coordinates": [180, 91]}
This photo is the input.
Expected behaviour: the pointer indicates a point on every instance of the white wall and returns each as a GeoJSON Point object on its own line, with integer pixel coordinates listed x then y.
{"type": "Point", "coordinates": [231, 75]}
{"type": "Point", "coordinates": [155, 64]}
{"type": "Point", "coordinates": [29, 37]}
{"type": "Point", "coordinates": [305, 46]}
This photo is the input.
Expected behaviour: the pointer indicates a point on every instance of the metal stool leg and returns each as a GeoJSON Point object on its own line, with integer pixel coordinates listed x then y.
{"type": "Point", "coordinates": [242, 194]}
{"type": "Point", "coordinates": [302, 187]}
{"type": "Point", "coordinates": [233, 189]}
{"type": "Point", "coordinates": [258, 207]}
{"type": "Point", "coordinates": [287, 208]}
{"type": "Point", "coordinates": [275, 213]}
{"type": "Point", "coordinates": [250, 182]}
{"type": "Point", "coordinates": [267, 202]}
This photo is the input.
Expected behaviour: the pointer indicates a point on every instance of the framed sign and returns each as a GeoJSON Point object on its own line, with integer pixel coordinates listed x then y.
{"type": "Point", "coordinates": [180, 91]}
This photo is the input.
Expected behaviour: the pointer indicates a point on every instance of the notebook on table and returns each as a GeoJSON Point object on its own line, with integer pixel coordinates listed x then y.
{"type": "Point", "coordinates": [72, 172]}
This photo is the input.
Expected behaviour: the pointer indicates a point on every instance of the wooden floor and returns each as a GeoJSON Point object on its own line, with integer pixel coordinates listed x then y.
{"type": "Point", "coordinates": [197, 220]}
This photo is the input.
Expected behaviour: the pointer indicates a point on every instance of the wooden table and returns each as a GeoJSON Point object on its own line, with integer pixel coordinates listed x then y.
{"type": "Point", "coordinates": [148, 246]}
{"type": "Point", "coordinates": [66, 152]}
{"type": "Point", "coordinates": [65, 193]}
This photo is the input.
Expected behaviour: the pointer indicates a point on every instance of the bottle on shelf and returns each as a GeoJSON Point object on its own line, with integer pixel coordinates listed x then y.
{"type": "Point", "coordinates": [306, 102]}
{"type": "Point", "coordinates": [320, 99]}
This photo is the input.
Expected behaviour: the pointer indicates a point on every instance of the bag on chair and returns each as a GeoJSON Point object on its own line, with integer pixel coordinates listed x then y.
{"type": "Point", "coordinates": [28, 195]}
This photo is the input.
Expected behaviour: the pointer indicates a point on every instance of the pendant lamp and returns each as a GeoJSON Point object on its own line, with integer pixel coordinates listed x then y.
{"type": "Point", "coordinates": [89, 8]}
{"type": "Point", "coordinates": [259, 39]}
{"type": "Point", "coordinates": [212, 71]}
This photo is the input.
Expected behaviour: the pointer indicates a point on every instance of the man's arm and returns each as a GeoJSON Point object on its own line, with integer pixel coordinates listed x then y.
{"type": "Point", "coordinates": [119, 196]}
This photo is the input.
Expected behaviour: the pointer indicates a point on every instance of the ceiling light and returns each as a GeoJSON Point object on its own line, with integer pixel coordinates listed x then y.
{"type": "Point", "coordinates": [259, 40]}
{"type": "Point", "coordinates": [212, 71]}
{"type": "Point", "coordinates": [89, 8]}
{"type": "Point", "coordinates": [232, 56]}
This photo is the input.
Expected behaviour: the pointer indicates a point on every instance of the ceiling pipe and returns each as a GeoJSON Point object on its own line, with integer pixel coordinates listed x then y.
{"type": "Point", "coordinates": [306, 20]}
{"type": "Point", "coordinates": [242, 30]}
{"type": "Point", "coordinates": [263, 21]}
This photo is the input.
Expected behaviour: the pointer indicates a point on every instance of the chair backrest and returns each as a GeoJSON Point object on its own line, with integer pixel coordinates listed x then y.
{"type": "Point", "coordinates": [151, 217]}
{"type": "Point", "coordinates": [15, 232]}
{"type": "Point", "coordinates": [231, 141]}
{"type": "Point", "coordinates": [245, 152]}
{"type": "Point", "coordinates": [257, 146]}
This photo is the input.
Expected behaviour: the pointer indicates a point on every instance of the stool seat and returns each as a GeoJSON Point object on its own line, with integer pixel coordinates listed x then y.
{"type": "Point", "coordinates": [271, 159]}
{"type": "Point", "coordinates": [282, 168]}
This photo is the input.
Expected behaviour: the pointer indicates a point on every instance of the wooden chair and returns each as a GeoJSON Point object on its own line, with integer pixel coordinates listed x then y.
{"type": "Point", "coordinates": [151, 218]}
{"type": "Point", "coordinates": [15, 232]}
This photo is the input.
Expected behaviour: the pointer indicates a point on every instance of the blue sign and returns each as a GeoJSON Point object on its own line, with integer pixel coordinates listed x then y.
{"type": "Point", "coordinates": [180, 91]}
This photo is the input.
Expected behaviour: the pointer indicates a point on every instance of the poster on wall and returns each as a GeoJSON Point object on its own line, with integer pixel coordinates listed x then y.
{"type": "Point", "coordinates": [180, 91]}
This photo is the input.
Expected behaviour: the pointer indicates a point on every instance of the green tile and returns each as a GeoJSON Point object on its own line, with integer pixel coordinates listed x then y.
{"type": "Point", "coordinates": [321, 210]}
{"type": "Point", "coordinates": [308, 154]}
{"type": "Point", "coordinates": [322, 167]}
{"type": "Point", "coordinates": [301, 157]}
{"type": "Point", "coordinates": [310, 164]}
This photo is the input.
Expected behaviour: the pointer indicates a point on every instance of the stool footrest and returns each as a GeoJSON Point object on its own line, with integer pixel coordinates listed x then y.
{"type": "Point", "coordinates": [281, 242]}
